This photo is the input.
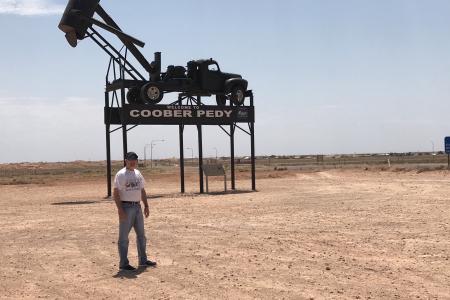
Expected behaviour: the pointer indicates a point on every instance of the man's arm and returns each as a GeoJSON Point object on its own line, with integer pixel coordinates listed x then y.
{"type": "Point", "coordinates": [144, 199]}
{"type": "Point", "coordinates": [121, 212]}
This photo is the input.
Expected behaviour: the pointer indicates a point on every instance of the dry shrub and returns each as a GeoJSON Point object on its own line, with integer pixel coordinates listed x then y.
{"type": "Point", "coordinates": [399, 169]}
{"type": "Point", "coordinates": [428, 169]}
{"type": "Point", "coordinates": [423, 169]}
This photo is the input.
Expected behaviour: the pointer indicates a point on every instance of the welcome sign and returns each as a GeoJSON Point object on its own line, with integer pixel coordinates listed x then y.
{"type": "Point", "coordinates": [181, 114]}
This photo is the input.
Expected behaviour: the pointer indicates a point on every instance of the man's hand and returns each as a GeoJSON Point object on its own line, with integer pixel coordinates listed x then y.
{"type": "Point", "coordinates": [144, 200]}
{"type": "Point", "coordinates": [122, 216]}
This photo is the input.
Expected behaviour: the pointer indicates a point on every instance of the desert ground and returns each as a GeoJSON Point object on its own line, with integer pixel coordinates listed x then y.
{"type": "Point", "coordinates": [375, 233]}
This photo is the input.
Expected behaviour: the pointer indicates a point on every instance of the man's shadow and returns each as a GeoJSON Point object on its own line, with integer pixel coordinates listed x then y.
{"type": "Point", "coordinates": [132, 275]}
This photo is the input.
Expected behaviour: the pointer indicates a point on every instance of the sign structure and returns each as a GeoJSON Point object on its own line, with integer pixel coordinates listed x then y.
{"type": "Point", "coordinates": [447, 144]}
{"type": "Point", "coordinates": [143, 92]}
{"type": "Point", "coordinates": [188, 110]}
{"type": "Point", "coordinates": [214, 170]}
{"type": "Point", "coordinates": [137, 114]}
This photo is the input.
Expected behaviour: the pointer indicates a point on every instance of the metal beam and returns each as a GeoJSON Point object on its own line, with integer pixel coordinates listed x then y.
{"type": "Point", "coordinates": [233, 186]}
{"type": "Point", "coordinates": [137, 54]}
{"type": "Point", "coordinates": [124, 127]}
{"type": "Point", "coordinates": [108, 145]}
{"type": "Point", "coordinates": [181, 130]}
{"type": "Point", "coordinates": [252, 148]}
{"type": "Point", "coordinates": [200, 156]}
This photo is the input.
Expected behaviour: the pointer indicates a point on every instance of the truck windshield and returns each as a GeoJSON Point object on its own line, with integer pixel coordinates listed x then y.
{"type": "Point", "coordinates": [213, 67]}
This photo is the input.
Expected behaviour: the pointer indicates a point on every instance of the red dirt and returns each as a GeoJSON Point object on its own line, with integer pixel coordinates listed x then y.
{"type": "Point", "coordinates": [335, 234]}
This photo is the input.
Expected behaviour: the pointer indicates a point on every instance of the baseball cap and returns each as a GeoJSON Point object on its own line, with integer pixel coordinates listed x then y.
{"type": "Point", "coordinates": [130, 154]}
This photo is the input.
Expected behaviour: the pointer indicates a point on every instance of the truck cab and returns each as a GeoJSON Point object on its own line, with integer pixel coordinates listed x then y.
{"type": "Point", "coordinates": [211, 79]}
{"type": "Point", "coordinates": [200, 77]}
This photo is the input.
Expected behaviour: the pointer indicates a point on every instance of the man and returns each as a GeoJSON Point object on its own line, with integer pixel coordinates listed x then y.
{"type": "Point", "coordinates": [128, 192]}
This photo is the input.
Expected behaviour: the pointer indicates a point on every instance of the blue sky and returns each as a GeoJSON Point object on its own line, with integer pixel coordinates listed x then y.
{"type": "Point", "coordinates": [329, 77]}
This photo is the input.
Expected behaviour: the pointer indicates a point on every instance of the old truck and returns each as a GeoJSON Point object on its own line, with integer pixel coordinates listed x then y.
{"type": "Point", "coordinates": [200, 77]}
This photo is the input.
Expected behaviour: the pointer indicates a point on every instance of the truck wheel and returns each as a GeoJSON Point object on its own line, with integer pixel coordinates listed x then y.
{"type": "Point", "coordinates": [221, 100]}
{"type": "Point", "coordinates": [134, 96]}
{"type": "Point", "coordinates": [151, 93]}
{"type": "Point", "coordinates": [237, 95]}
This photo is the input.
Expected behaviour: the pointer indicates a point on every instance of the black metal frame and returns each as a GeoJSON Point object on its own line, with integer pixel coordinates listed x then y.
{"type": "Point", "coordinates": [120, 83]}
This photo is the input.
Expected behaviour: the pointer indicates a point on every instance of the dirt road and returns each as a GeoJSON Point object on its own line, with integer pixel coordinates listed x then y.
{"type": "Point", "coordinates": [336, 234]}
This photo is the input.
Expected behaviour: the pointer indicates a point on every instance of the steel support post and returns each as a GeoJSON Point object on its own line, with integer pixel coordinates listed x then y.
{"type": "Point", "coordinates": [181, 135]}
{"type": "Point", "coordinates": [124, 125]}
{"type": "Point", "coordinates": [233, 186]}
{"type": "Point", "coordinates": [252, 145]}
{"type": "Point", "coordinates": [181, 131]}
{"type": "Point", "coordinates": [108, 143]}
{"type": "Point", "coordinates": [200, 156]}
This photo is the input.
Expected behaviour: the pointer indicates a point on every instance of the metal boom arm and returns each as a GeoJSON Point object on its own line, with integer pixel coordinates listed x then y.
{"type": "Point", "coordinates": [131, 47]}
{"type": "Point", "coordinates": [78, 18]}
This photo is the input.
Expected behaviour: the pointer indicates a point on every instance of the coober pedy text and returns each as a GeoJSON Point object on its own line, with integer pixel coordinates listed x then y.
{"type": "Point", "coordinates": [181, 111]}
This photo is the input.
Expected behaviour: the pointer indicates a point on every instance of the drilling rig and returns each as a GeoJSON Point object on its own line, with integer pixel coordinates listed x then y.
{"type": "Point", "coordinates": [201, 77]}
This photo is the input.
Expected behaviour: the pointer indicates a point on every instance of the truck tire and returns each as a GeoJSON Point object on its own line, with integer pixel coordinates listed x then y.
{"type": "Point", "coordinates": [134, 96]}
{"type": "Point", "coordinates": [151, 93]}
{"type": "Point", "coordinates": [221, 100]}
{"type": "Point", "coordinates": [237, 95]}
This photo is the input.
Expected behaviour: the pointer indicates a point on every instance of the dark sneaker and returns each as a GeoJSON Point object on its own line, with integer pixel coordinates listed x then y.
{"type": "Point", "coordinates": [127, 269]}
{"type": "Point", "coordinates": [148, 264]}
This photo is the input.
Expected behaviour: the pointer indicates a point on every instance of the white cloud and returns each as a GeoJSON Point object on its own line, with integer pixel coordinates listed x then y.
{"type": "Point", "coordinates": [30, 7]}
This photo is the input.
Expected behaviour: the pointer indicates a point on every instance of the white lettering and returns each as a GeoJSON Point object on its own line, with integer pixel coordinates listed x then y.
{"type": "Point", "coordinates": [228, 113]}
{"type": "Point", "coordinates": [183, 112]}
{"type": "Point", "coordinates": [146, 113]}
{"type": "Point", "coordinates": [178, 107]}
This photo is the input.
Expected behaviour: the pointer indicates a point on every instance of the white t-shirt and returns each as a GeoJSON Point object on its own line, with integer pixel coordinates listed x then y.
{"type": "Point", "coordinates": [130, 184]}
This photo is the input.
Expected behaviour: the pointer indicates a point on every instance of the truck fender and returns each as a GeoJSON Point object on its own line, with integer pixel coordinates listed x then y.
{"type": "Point", "coordinates": [234, 81]}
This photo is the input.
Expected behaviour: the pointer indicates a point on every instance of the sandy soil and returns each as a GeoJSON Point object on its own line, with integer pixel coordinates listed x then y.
{"type": "Point", "coordinates": [336, 234]}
